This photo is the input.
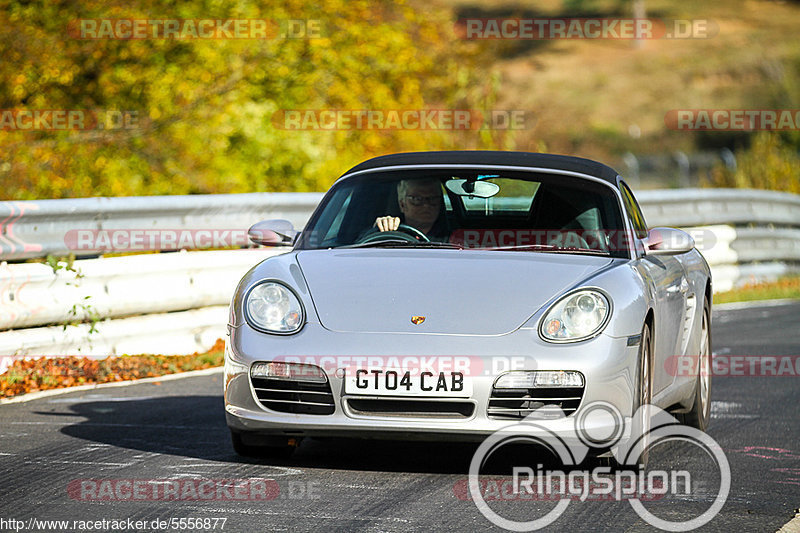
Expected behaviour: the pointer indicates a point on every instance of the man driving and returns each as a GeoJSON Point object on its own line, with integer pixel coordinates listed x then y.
{"type": "Point", "coordinates": [421, 203]}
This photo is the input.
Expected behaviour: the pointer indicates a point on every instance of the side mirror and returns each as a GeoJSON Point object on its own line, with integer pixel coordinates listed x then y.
{"type": "Point", "coordinates": [275, 232]}
{"type": "Point", "coordinates": [667, 241]}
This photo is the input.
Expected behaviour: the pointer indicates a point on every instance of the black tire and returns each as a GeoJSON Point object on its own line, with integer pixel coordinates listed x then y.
{"type": "Point", "coordinates": [700, 413]}
{"type": "Point", "coordinates": [640, 419]}
{"type": "Point", "coordinates": [252, 446]}
{"type": "Point", "coordinates": [644, 396]}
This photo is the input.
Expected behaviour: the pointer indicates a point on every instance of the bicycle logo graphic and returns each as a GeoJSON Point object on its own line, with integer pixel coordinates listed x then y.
{"type": "Point", "coordinates": [600, 426]}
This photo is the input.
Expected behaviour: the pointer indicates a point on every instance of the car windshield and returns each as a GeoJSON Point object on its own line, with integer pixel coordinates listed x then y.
{"type": "Point", "coordinates": [469, 209]}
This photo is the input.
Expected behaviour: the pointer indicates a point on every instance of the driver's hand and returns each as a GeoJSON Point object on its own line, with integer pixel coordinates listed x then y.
{"type": "Point", "coordinates": [387, 223]}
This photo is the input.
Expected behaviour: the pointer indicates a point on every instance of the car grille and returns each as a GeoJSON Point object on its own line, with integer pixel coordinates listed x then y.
{"type": "Point", "coordinates": [291, 396]}
{"type": "Point", "coordinates": [519, 403]}
{"type": "Point", "coordinates": [410, 408]}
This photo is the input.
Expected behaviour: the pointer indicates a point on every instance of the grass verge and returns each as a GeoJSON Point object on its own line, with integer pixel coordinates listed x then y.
{"type": "Point", "coordinates": [788, 287]}
{"type": "Point", "coordinates": [31, 375]}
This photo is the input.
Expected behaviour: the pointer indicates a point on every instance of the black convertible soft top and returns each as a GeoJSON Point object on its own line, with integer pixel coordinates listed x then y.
{"type": "Point", "coordinates": [489, 157]}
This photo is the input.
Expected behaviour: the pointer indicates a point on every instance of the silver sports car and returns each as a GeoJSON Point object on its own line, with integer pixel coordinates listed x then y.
{"type": "Point", "coordinates": [444, 295]}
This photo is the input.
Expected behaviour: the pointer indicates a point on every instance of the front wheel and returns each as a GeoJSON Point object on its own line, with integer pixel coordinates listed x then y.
{"type": "Point", "coordinates": [641, 417]}
{"type": "Point", "coordinates": [700, 413]}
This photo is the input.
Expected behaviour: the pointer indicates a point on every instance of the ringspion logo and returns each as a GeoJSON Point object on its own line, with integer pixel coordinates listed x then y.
{"type": "Point", "coordinates": [599, 426]}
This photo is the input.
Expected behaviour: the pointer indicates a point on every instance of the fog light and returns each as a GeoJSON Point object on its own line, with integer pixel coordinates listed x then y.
{"type": "Point", "coordinates": [531, 379]}
{"type": "Point", "coordinates": [289, 371]}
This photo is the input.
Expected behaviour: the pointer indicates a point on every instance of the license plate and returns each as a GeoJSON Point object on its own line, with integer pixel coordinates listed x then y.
{"type": "Point", "coordinates": [404, 383]}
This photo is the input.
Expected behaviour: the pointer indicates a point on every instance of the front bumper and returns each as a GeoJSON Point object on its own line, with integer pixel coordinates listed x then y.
{"type": "Point", "coordinates": [608, 365]}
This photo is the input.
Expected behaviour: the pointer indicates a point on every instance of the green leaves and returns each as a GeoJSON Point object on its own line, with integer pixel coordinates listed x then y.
{"type": "Point", "coordinates": [204, 108]}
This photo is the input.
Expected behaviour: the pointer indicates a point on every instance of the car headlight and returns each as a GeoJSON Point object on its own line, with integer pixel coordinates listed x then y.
{"type": "Point", "coordinates": [273, 308]}
{"type": "Point", "coordinates": [577, 316]}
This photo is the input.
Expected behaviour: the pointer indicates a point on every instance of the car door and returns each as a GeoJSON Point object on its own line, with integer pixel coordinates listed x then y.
{"type": "Point", "coordinates": [670, 285]}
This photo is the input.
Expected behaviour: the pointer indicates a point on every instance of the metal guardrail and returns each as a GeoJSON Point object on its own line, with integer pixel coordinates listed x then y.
{"type": "Point", "coordinates": [180, 295]}
{"type": "Point", "coordinates": [37, 228]}
{"type": "Point", "coordinates": [115, 287]}
{"type": "Point", "coordinates": [704, 207]}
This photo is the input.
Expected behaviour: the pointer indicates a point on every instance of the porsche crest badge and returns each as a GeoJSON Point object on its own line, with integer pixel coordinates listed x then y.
{"type": "Point", "coordinates": [417, 320]}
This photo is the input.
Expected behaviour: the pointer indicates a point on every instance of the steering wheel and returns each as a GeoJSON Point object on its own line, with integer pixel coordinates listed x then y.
{"type": "Point", "coordinates": [403, 231]}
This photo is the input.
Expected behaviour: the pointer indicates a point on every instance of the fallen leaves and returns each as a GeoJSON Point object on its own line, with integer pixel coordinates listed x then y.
{"type": "Point", "coordinates": [30, 375]}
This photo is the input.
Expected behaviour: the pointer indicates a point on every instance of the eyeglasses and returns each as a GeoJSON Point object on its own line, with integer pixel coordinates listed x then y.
{"type": "Point", "coordinates": [417, 201]}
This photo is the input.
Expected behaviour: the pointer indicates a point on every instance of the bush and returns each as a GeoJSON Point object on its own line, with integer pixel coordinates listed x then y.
{"type": "Point", "coordinates": [771, 162]}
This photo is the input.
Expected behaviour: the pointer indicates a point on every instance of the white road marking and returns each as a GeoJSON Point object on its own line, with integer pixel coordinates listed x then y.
{"type": "Point", "coordinates": [316, 516]}
{"type": "Point", "coordinates": [112, 425]}
{"type": "Point", "coordinates": [273, 471]}
{"type": "Point", "coordinates": [348, 486]}
{"type": "Point", "coordinates": [792, 526]}
{"type": "Point", "coordinates": [55, 392]}
{"type": "Point", "coordinates": [104, 398]}
{"type": "Point", "coordinates": [73, 462]}
{"type": "Point", "coordinates": [753, 304]}
{"type": "Point", "coordinates": [728, 410]}
{"type": "Point", "coordinates": [725, 407]}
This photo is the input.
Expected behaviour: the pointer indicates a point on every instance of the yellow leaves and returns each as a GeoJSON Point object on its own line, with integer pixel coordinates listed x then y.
{"type": "Point", "coordinates": [204, 107]}
{"type": "Point", "coordinates": [769, 163]}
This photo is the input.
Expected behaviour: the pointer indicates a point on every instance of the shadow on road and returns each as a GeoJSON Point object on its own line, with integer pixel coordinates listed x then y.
{"type": "Point", "coordinates": [194, 426]}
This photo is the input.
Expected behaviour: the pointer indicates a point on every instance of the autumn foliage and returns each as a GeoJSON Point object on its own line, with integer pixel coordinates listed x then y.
{"type": "Point", "coordinates": [30, 375]}
{"type": "Point", "coordinates": [202, 108]}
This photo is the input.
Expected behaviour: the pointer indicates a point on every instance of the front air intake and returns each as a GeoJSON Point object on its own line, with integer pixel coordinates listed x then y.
{"type": "Point", "coordinates": [545, 402]}
{"type": "Point", "coordinates": [294, 395]}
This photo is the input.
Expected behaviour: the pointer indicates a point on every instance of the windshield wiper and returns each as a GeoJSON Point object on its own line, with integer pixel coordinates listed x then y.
{"type": "Point", "coordinates": [401, 243]}
{"type": "Point", "coordinates": [551, 248]}
{"type": "Point", "coordinates": [521, 247]}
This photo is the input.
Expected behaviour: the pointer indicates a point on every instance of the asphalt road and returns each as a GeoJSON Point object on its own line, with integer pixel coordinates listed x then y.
{"type": "Point", "coordinates": [176, 430]}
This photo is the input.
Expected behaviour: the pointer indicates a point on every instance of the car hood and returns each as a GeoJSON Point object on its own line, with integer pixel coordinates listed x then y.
{"type": "Point", "coordinates": [459, 292]}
